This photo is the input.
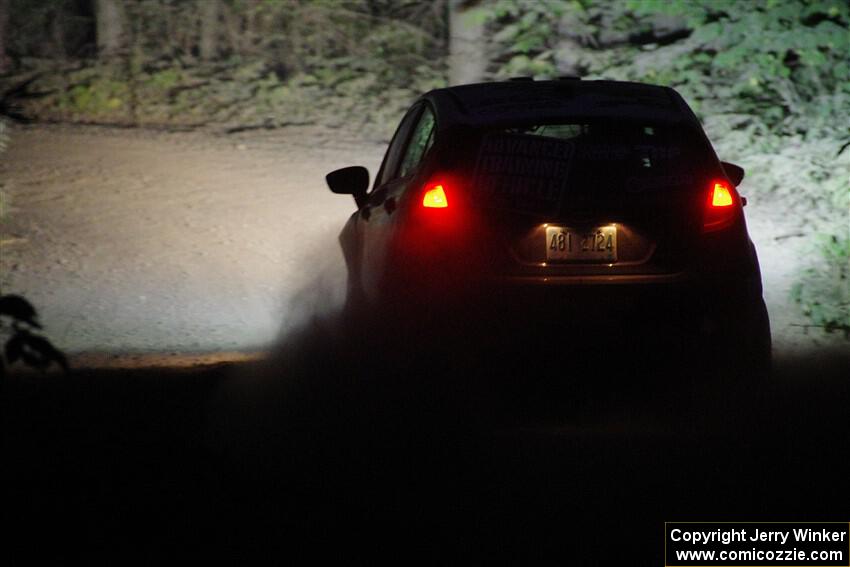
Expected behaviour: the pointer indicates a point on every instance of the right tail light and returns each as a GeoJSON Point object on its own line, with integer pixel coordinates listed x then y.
{"type": "Point", "coordinates": [720, 209]}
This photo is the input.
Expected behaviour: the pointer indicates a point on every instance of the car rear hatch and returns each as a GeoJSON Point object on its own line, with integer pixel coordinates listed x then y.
{"type": "Point", "coordinates": [589, 199]}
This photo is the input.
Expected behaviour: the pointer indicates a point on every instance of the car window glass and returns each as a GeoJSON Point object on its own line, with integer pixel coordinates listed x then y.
{"type": "Point", "coordinates": [420, 142]}
{"type": "Point", "coordinates": [563, 131]}
{"type": "Point", "coordinates": [610, 148]}
{"type": "Point", "coordinates": [536, 168]}
{"type": "Point", "coordinates": [394, 151]}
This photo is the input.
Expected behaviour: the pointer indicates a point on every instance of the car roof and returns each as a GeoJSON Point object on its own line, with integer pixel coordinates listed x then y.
{"type": "Point", "coordinates": [525, 101]}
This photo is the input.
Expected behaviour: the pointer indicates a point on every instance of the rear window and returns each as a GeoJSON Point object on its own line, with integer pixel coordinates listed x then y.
{"type": "Point", "coordinates": [533, 167]}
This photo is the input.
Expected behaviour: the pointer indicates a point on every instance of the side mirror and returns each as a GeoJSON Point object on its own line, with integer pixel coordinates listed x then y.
{"type": "Point", "coordinates": [735, 173]}
{"type": "Point", "coordinates": [352, 180]}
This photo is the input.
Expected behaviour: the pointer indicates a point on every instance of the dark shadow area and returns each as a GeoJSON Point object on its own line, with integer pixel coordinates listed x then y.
{"type": "Point", "coordinates": [343, 449]}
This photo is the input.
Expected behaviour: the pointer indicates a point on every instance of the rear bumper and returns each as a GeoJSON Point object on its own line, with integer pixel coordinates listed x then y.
{"type": "Point", "coordinates": [590, 280]}
{"type": "Point", "coordinates": [454, 287]}
{"type": "Point", "coordinates": [724, 288]}
{"type": "Point", "coordinates": [620, 317]}
{"type": "Point", "coordinates": [678, 302]}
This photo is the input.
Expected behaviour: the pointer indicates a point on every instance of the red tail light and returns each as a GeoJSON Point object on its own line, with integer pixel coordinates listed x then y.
{"type": "Point", "coordinates": [440, 222]}
{"type": "Point", "coordinates": [721, 196]}
{"type": "Point", "coordinates": [441, 204]}
{"type": "Point", "coordinates": [435, 198]}
{"type": "Point", "coordinates": [720, 211]}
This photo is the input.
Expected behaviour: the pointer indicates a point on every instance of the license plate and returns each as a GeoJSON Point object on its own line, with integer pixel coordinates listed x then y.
{"type": "Point", "coordinates": [598, 244]}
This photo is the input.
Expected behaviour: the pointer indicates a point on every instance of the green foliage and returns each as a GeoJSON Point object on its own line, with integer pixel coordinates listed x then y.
{"type": "Point", "coordinates": [823, 290]}
{"type": "Point", "coordinates": [770, 59]}
{"type": "Point", "coordinates": [527, 30]}
{"type": "Point", "coordinates": [99, 98]}
{"type": "Point", "coordinates": [163, 80]}
{"type": "Point", "coordinates": [365, 59]}
{"type": "Point", "coordinates": [18, 322]}
{"type": "Point", "coordinates": [355, 63]}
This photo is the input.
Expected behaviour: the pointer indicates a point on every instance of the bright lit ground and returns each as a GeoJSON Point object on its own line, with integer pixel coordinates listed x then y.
{"type": "Point", "coordinates": [132, 241]}
{"type": "Point", "coordinates": [181, 244]}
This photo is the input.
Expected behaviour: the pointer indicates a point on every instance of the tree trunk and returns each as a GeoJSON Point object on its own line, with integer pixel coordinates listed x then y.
{"type": "Point", "coordinates": [208, 48]}
{"type": "Point", "coordinates": [110, 27]}
{"type": "Point", "coordinates": [467, 44]}
{"type": "Point", "coordinates": [57, 33]}
{"type": "Point", "coordinates": [229, 22]}
{"type": "Point", "coordinates": [132, 59]}
{"type": "Point", "coordinates": [5, 61]}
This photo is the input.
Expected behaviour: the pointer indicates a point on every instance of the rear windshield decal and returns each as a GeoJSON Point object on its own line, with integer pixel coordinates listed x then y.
{"type": "Point", "coordinates": [523, 173]}
{"type": "Point", "coordinates": [611, 152]}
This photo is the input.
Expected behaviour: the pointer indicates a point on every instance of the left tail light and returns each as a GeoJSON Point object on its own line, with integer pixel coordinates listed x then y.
{"type": "Point", "coordinates": [435, 197]}
{"type": "Point", "coordinates": [439, 205]}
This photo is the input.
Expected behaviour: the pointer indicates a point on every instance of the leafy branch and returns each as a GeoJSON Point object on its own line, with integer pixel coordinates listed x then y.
{"type": "Point", "coordinates": [18, 320]}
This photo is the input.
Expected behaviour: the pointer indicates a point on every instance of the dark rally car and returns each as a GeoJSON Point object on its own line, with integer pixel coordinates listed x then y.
{"type": "Point", "coordinates": [600, 203]}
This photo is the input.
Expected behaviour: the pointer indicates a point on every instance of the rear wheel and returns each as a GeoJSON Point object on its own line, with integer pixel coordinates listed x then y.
{"type": "Point", "coordinates": [355, 313]}
{"type": "Point", "coordinates": [749, 340]}
{"type": "Point", "coordinates": [394, 313]}
{"type": "Point", "coordinates": [759, 345]}
{"type": "Point", "coordinates": [738, 352]}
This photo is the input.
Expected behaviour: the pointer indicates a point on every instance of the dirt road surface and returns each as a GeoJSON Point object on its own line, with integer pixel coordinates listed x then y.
{"type": "Point", "coordinates": [130, 241]}
{"type": "Point", "coordinates": [133, 241]}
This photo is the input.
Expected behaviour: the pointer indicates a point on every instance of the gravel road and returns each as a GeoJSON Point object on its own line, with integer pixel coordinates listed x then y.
{"type": "Point", "coordinates": [132, 241]}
